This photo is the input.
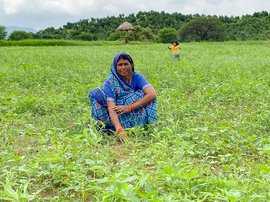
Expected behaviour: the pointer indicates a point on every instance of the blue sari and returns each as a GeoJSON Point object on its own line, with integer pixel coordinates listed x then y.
{"type": "Point", "coordinates": [124, 94]}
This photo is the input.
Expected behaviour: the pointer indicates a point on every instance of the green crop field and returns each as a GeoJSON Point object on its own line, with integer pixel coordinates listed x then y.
{"type": "Point", "coordinates": [211, 142]}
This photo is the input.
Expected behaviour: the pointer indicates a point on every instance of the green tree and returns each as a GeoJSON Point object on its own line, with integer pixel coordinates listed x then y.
{"type": "Point", "coordinates": [51, 33]}
{"type": "Point", "coordinates": [86, 36]}
{"type": "Point", "coordinates": [166, 35]}
{"type": "Point", "coordinates": [73, 34]}
{"type": "Point", "coordinates": [203, 29]}
{"type": "Point", "coordinates": [3, 33]}
{"type": "Point", "coordinates": [20, 35]}
{"type": "Point", "coordinates": [141, 34]}
{"type": "Point", "coordinates": [117, 36]}
{"type": "Point", "coordinates": [250, 27]}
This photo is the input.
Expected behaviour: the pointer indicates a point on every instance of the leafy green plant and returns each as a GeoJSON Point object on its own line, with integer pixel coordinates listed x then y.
{"type": "Point", "coordinates": [10, 193]}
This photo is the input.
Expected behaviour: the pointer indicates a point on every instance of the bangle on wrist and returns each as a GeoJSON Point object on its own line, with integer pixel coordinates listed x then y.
{"type": "Point", "coordinates": [131, 107]}
{"type": "Point", "coordinates": [119, 129]}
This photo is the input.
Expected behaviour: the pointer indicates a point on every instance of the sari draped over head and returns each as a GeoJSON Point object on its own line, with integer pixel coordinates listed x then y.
{"type": "Point", "coordinates": [123, 94]}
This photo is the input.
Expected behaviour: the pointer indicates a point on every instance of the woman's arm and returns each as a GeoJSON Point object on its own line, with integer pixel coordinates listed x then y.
{"type": "Point", "coordinates": [114, 111]}
{"type": "Point", "coordinates": [113, 114]}
{"type": "Point", "coordinates": [115, 121]}
{"type": "Point", "coordinates": [149, 95]}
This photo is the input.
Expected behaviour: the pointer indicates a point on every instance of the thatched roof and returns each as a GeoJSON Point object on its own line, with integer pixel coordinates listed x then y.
{"type": "Point", "coordinates": [125, 26]}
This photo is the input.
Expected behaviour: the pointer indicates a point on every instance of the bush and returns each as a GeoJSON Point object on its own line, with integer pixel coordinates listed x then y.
{"type": "Point", "coordinates": [20, 35]}
{"type": "Point", "coordinates": [86, 37]}
{"type": "Point", "coordinates": [141, 34]}
{"type": "Point", "coordinates": [117, 36]}
{"type": "Point", "coordinates": [167, 35]}
{"type": "Point", "coordinates": [3, 33]}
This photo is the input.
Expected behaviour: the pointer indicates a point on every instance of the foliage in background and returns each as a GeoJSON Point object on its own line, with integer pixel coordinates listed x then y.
{"type": "Point", "coordinates": [52, 33]}
{"type": "Point", "coordinates": [203, 29]}
{"type": "Point", "coordinates": [120, 35]}
{"type": "Point", "coordinates": [211, 142]}
{"type": "Point", "coordinates": [149, 24]}
{"type": "Point", "coordinates": [167, 35]}
{"type": "Point", "coordinates": [20, 35]}
{"type": "Point", "coordinates": [141, 34]}
{"type": "Point", "coordinates": [3, 33]}
{"type": "Point", "coordinates": [247, 27]}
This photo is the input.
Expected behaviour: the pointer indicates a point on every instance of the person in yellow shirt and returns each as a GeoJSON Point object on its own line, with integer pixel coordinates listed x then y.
{"type": "Point", "coordinates": [175, 47]}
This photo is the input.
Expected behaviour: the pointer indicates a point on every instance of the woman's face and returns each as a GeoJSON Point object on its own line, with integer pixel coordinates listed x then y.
{"type": "Point", "coordinates": [123, 67]}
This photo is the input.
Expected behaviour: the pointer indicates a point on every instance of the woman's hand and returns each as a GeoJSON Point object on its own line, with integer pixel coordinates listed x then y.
{"type": "Point", "coordinates": [121, 109]}
{"type": "Point", "coordinates": [122, 136]}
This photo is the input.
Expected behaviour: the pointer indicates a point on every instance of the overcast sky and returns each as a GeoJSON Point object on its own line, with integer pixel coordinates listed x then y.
{"type": "Point", "coordinates": [40, 14]}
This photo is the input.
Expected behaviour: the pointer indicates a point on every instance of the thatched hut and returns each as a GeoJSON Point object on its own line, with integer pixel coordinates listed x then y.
{"type": "Point", "coordinates": [126, 26]}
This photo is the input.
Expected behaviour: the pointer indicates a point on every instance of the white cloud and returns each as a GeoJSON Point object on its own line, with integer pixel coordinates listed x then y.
{"type": "Point", "coordinates": [66, 6]}
{"type": "Point", "coordinates": [47, 13]}
{"type": "Point", "coordinates": [11, 7]}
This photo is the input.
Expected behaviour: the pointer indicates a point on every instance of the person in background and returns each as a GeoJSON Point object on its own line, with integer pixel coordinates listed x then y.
{"type": "Point", "coordinates": [126, 100]}
{"type": "Point", "coordinates": [175, 47]}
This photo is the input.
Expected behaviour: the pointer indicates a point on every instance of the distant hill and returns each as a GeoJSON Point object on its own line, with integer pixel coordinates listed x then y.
{"type": "Point", "coordinates": [10, 29]}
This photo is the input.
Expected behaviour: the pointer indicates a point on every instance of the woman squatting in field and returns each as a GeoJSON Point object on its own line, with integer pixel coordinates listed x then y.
{"type": "Point", "coordinates": [126, 100]}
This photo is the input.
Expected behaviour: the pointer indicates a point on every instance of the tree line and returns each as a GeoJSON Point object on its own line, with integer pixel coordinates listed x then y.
{"type": "Point", "coordinates": [159, 27]}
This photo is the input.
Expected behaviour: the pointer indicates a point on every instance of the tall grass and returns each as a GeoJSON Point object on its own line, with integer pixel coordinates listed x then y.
{"type": "Point", "coordinates": [211, 142]}
{"type": "Point", "coordinates": [55, 42]}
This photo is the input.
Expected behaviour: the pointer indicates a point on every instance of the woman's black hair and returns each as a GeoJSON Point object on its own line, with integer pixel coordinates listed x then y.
{"type": "Point", "coordinates": [126, 57]}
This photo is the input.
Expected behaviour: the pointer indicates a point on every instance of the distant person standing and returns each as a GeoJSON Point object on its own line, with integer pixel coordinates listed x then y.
{"type": "Point", "coordinates": [175, 47]}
